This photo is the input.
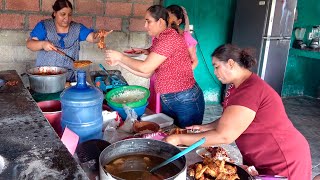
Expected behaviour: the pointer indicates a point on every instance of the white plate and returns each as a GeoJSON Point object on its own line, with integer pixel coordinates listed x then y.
{"type": "Point", "coordinates": [160, 118]}
{"type": "Point", "coordinates": [232, 152]}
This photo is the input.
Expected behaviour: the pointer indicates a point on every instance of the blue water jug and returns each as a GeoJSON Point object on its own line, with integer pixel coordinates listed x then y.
{"type": "Point", "coordinates": [82, 109]}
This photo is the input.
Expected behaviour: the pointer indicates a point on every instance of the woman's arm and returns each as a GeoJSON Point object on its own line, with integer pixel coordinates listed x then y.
{"type": "Point", "coordinates": [147, 66]}
{"type": "Point", "coordinates": [135, 72]}
{"type": "Point", "coordinates": [233, 122]}
{"type": "Point", "coordinates": [193, 54]}
{"type": "Point", "coordinates": [205, 127]}
{"type": "Point", "coordinates": [35, 45]}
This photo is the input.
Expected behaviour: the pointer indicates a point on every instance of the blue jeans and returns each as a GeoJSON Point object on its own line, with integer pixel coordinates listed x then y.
{"type": "Point", "coordinates": [185, 107]}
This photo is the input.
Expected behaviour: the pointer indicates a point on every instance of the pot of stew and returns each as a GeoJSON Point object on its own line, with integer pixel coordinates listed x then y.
{"type": "Point", "coordinates": [132, 159]}
{"type": "Point", "coordinates": [47, 79]}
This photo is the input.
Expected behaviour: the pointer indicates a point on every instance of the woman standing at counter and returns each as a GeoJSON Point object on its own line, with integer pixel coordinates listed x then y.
{"type": "Point", "coordinates": [60, 33]}
{"type": "Point", "coordinates": [169, 59]}
{"type": "Point", "coordinates": [254, 117]}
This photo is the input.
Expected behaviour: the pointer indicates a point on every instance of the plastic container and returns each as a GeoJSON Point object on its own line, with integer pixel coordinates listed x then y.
{"type": "Point", "coordinates": [160, 118]}
{"type": "Point", "coordinates": [82, 109]}
{"type": "Point", "coordinates": [139, 110]}
{"type": "Point", "coordinates": [117, 92]}
{"type": "Point", "coordinates": [52, 111]}
{"type": "Point", "coordinates": [1, 82]}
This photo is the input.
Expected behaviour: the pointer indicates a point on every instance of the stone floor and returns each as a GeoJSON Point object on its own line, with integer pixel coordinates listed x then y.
{"type": "Point", "coordinates": [304, 112]}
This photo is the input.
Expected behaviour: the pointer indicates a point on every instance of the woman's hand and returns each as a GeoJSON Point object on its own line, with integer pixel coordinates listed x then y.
{"type": "Point", "coordinates": [197, 128]}
{"type": "Point", "coordinates": [101, 33]}
{"type": "Point", "coordinates": [48, 46]}
{"type": "Point", "coordinates": [113, 57]}
{"type": "Point", "coordinates": [172, 139]}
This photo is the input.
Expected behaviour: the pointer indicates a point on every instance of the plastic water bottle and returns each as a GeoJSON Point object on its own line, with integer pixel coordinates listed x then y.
{"type": "Point", "coordinates": [82, 109]}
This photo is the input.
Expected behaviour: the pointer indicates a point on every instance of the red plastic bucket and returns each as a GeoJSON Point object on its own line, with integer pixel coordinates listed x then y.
{"type": "Point", "coordinates": [52, 111]}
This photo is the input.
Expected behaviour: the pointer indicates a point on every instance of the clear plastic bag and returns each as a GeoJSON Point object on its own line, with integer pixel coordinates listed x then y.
{"type": "Point", "coordinates": [111, 121]}
{"type": "Point", "coordinates": [131, 118]}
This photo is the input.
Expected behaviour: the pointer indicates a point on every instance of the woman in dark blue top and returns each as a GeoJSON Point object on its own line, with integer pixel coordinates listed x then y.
{"type": "Point", "coordinates": [61, 33]}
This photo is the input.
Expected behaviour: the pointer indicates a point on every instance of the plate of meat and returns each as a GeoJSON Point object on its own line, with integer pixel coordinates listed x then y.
{"type": "Point", "coordinates": [216, 170]}
{"type": "Point", "coordinates": [133, 52]}
{"type": "Point", "coordinates": [224, 152]}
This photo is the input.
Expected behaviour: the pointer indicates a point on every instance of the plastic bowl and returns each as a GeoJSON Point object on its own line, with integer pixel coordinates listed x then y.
{"type": "Point", "coordinates": [139, 110]}
{"type": "Point", "coordinates": [120, 90]}
{"type": "Point", "coordinates": [141, 126]}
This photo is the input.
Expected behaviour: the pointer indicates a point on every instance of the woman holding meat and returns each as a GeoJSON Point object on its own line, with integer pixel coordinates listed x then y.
{"type": "Point", "coordinates": [61, 33]}
{"type": "Point", "coordinates": [254, 117]}
{"type": "Point", "coordinates": [169, 59]}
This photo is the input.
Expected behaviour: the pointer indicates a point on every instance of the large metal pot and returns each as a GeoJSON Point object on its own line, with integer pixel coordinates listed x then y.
{"type": "Point", "coordinates": [138, 146]}
{"type": "Point", "coordinates": [47, 79]}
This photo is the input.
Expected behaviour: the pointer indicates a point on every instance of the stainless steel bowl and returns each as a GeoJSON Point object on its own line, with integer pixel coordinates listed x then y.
{"type": "Point", "coordinates": [140, 146]}
{"type": "Point", "coordinates": [47, 79]}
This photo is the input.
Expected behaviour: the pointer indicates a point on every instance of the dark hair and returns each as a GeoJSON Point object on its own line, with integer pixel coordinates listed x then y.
{"type": "Point", "coordinates": [60, 4]}
{"type": "Point", "coordinates": [244, 57]}
{"type": "Point", "coordinates": [158, 11]}
{"type": "Point", "coordinates": [177, 11]}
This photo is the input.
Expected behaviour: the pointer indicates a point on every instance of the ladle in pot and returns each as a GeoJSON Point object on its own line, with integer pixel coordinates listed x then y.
{"type": "Point", "coordinates": [185, 151]}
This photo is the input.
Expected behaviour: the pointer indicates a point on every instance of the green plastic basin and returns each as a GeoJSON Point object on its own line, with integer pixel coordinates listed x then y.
{"type": "Point", "coordinates": [131, 96]}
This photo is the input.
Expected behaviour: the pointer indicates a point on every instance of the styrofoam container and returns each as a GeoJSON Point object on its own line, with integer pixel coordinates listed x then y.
{"type": "Point", "coordinates": [160, 118]}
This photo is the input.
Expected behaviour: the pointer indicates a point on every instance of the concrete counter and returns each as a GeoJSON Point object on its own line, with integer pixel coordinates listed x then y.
{"type": "Point", "coordinates": [29, 146]}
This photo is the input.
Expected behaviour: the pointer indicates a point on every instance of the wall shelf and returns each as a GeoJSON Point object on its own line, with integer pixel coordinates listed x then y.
{"type": "Point", "coordinates": [304, 53]}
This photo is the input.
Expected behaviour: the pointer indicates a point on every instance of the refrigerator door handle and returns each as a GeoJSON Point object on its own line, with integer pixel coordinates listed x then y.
{"type": "Point", "coordinates": [276, 38]}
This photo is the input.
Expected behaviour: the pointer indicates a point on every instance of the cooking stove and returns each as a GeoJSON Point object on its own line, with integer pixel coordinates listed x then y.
{"type": "Point", "coordinates": [108, 80]}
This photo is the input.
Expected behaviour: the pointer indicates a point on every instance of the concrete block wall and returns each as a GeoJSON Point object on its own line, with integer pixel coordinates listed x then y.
{"type": "Point", "coordinates": [125, 17]}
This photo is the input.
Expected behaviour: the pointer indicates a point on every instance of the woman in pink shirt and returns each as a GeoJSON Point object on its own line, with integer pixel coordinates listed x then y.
{"type": "Point", "coordinates": [255, 118]}
{"type": "Point", "coordinates": [178, 16]}
{"type": "Point", "coordinates": [169, 59]}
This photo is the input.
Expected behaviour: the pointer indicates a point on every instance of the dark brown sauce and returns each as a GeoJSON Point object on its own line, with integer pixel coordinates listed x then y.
{"type": "Point", "coordinates": [137, 167]}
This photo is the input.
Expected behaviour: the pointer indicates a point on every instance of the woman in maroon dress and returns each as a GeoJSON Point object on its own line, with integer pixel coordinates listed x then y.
{"type": "Point", "coordinates": [254, 117]}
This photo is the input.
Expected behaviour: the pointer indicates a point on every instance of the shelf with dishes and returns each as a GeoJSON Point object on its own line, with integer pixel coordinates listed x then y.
{"type": "Point", "coordinates": [308, 53]}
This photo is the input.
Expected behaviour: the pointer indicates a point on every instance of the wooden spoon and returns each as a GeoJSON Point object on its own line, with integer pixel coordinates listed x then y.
{"type": "Point", "coordinates": [76, 63]}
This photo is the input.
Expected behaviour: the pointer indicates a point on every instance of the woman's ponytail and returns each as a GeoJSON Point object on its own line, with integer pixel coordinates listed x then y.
{"type": "Point", "coordinates": [244, 57]}
{"type": "Point", "coordinates": [247, 59]}
{"type": "Point", "coordinates": [175, 27]}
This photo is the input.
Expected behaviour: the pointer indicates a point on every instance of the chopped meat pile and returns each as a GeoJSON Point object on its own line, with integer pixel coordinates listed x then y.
{"type": "Point", "coordinates": [102, 35]}
{"type": "Point", "coordinates": [213, 169]}
{"type": "Point", "coordinates": [101, 43]}
{"type": "Point", "coordinates": [218, 153]}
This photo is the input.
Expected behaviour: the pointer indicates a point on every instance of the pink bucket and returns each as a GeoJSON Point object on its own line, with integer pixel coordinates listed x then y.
{"type": "Point", "coordinates": [52, 111]}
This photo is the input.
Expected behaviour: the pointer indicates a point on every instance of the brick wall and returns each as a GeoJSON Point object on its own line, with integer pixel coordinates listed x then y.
{"type": "Point", "coordinates": [125, 17]}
